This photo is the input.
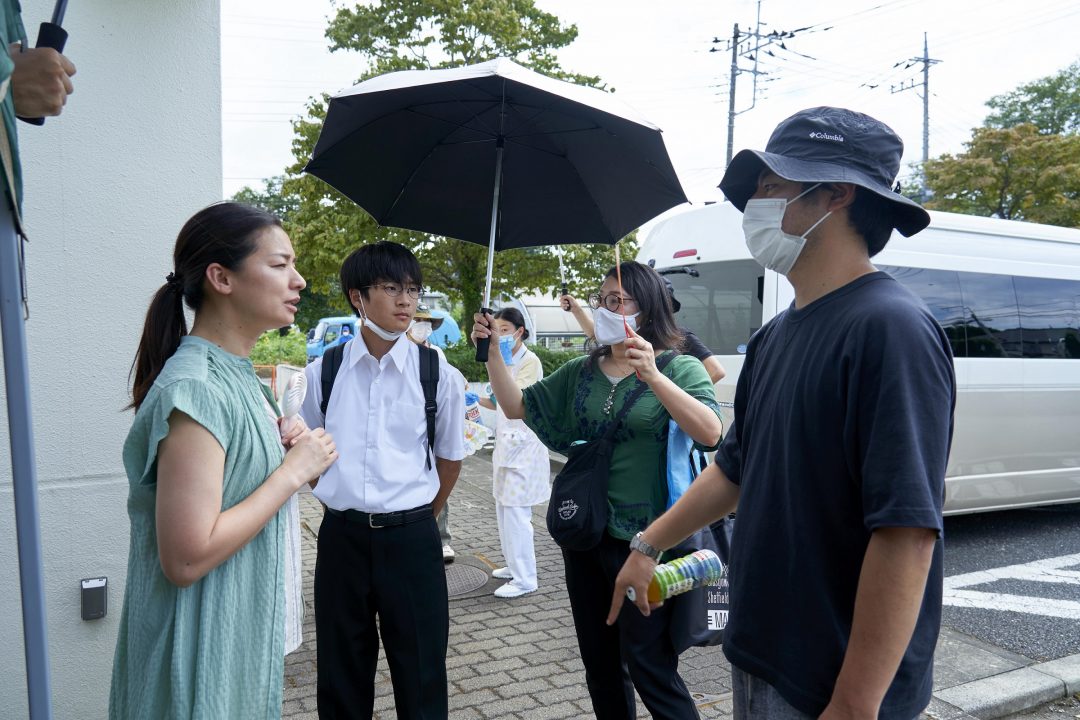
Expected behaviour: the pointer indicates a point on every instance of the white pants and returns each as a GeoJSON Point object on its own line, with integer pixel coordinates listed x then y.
{"type": "Point", "coordinates": [516, 538]}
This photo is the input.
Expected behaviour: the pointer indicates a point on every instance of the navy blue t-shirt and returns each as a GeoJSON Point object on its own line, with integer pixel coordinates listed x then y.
{"type": "Point", "coordinates": [843, 420]}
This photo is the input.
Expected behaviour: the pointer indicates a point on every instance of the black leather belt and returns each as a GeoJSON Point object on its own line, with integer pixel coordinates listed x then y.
{"type": "Point", "coordinates": [382, 520]}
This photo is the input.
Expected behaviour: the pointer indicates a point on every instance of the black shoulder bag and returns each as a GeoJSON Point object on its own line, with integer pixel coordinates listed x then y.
{"type": "Point", "coordinates": [577, 513]}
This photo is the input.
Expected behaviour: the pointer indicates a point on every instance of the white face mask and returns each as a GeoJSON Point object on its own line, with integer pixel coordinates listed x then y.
{"type": "Point", "coordinates": [370, 325]}
{"type": "Point", "coordinates": [768, 243]}
{"type": "Point", "coordinates": [608, 326]}
{"type": "Point", "coordinates": [420, 331]}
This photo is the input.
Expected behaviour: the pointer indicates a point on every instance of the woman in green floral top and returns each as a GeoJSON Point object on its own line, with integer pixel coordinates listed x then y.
{"type": "Point", "coordinates": [577, 403]}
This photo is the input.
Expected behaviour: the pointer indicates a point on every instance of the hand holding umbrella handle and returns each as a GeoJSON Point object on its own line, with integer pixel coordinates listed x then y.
{"type": "Point", "coordinates": [566, 303]}
{"type": "Point", "coordinates": [53, 36]}
{"type": "Point", "coordinates": [482, 344]}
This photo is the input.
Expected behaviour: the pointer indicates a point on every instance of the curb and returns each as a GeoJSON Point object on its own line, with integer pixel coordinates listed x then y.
{"type": "Point", "coordinates": [1010, 692]}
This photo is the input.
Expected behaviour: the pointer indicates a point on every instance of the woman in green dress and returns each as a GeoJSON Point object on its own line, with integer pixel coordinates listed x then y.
{"type": "Point", "coordinates": [578, 402]}
{"type": "Point", "coordinates": [202, 630]}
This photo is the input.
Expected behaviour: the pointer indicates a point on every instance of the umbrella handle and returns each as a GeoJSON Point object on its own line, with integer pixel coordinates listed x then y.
{"type": "Point", "coordinates": [565, 303]}
{"type": "Point", "coordinates": [51, 36]}
{"type": "Point", "coordinates": [482, 344]}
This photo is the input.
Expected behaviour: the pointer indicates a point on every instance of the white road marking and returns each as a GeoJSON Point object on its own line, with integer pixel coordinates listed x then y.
{"type": "Point", "coordinates": [1050, 570]}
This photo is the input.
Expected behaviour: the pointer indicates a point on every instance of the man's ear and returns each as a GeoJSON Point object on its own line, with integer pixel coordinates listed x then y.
{"type": "Point", "coordinates": [220, 278]}
{"type": "Point", "coordinates": [354, 298]}
{"type": "Point", "coordinates": [841, 195]}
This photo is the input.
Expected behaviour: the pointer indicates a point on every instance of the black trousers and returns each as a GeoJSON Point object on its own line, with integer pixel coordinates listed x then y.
{"type": "Point", "coordinates": [397, 574]}
{"type": "Point", "coordinates": [635, 652]}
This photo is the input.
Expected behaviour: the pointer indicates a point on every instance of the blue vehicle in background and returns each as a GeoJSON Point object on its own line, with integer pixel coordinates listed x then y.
{"type": "Point", "coordinates": [448, 333]}
{"type": "Point", "coordinates": [327, 332]}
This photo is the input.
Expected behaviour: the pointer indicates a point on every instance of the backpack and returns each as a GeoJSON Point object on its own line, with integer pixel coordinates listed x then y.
{"type": "Point", "coordinates": [429, 381]}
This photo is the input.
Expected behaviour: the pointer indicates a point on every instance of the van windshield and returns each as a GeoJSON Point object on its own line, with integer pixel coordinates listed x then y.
{"type": "Point", "coordinates": [722, 304]}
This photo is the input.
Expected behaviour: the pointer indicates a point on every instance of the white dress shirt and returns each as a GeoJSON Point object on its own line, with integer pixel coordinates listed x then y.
{"type": "Point", "coordinates": [376, 415]}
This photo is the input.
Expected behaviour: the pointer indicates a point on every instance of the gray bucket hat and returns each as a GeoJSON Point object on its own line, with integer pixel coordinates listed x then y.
{"type": "Point", "coordinates": [827, 144]}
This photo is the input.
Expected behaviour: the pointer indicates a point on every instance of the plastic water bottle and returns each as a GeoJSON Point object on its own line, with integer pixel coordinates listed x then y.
{"type": "Point", "coordinates": [472, 407]}
{"type": "Point", "coordinates": [701, 567]}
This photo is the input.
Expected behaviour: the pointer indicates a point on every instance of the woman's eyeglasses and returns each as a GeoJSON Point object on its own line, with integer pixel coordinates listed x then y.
{"type": "Point", "coordinates": [611, 301]}
{"type": "Point", "coordinates": [395, 289]}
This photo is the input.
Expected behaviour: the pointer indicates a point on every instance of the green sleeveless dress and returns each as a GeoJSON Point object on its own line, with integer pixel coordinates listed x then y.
{"type": "Point", "coordinates": [215, 649]}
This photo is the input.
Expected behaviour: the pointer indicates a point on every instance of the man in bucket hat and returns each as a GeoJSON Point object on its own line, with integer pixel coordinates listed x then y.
{"type": "Point", "coordinates": [843, 420]}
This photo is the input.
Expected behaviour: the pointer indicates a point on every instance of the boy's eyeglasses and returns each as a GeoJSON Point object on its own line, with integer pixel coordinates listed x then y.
{"type": "Point", "coordinates": [395, 289]}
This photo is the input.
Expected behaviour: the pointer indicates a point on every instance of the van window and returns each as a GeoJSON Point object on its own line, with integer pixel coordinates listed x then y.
{"type": "Point", "coordinates": [1049, 317]}
{"type": "Point", "coordinates": [987, 315]}
{"type": "Point", "coordinates": [940, 290]}
{"type": "Point", "coordinates": [722, 305]}
{"type": "Point", "coordinates": [993, 319]}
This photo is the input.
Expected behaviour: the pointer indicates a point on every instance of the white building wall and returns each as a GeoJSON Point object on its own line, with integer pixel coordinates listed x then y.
{"type": "Point", "coordinates": [108, 186]}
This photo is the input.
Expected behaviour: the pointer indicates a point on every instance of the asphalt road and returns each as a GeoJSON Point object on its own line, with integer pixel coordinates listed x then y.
{"type": "Point", "coordinates": [1026, 597]}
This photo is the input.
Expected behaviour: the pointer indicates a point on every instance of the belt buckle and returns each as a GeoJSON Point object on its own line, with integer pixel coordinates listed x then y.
{"type": "Point", "coordinates": [371, 522]}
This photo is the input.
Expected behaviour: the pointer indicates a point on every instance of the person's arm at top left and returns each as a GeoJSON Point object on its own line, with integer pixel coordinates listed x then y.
{"type": "Point", "coordinates": [40, 82]}
{"type": "Point", "coordinates": [449, 448]}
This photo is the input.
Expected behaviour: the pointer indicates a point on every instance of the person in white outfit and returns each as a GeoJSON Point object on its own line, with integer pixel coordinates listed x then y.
{"type": "Point", "coordinates": [522, 470]}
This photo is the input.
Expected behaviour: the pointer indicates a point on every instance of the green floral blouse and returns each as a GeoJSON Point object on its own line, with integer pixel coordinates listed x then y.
{"type": "Point", "coordinates": [568, 406]}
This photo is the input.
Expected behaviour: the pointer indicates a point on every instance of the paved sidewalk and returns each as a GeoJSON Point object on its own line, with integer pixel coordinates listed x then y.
{"type": "Point", "coordinates": [518, 658]}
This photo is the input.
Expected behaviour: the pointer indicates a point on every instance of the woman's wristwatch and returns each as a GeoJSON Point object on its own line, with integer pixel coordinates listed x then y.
{"type": "Point", "coordinates": [637, 543]}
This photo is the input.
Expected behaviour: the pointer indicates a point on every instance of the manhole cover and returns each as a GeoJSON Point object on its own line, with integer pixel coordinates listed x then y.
{"type": "Point", "coordinates": [462, 578]}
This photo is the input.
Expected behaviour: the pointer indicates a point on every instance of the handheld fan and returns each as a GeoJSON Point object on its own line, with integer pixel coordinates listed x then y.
{"type": "Point", "coordinates": [293, 397]}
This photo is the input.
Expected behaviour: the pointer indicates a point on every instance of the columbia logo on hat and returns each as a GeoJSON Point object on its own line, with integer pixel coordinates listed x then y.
{"type": "Point", "coordinates": [827, 136]}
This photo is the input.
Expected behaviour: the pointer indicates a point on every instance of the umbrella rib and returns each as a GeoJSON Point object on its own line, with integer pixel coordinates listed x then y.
{"type": "Point", "coordinates": [415, 170]}
{"type": "Point", "coordinates": [462, 126]}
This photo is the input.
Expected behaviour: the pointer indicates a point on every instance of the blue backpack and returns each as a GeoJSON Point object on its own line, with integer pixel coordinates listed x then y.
{"type": "Point", "coordinates": [684, 462]}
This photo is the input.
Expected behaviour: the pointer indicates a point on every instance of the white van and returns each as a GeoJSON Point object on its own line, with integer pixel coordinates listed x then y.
{"type": "Point", "coordinates": [1008, 296]}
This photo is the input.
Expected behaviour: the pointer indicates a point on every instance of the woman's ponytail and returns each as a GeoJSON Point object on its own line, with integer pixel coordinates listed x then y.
{"type": "Point", "coordinates": [165, 325]}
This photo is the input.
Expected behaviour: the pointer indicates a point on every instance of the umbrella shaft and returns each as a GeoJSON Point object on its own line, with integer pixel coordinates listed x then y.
{"type": "Point", "coordinates": [494, 221]}
{"type": "Point", "coordinates": [24, 475]}
{"type": "Point", "coordinates": [58, 12]}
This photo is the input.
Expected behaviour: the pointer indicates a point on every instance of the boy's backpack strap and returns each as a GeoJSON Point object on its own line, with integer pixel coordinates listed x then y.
{"type": "Point", "coordinates": [331, 362]}
{"type": "Point", "coordinates": [429, 382]}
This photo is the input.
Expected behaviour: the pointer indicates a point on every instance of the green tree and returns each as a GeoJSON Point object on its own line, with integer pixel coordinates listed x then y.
{"type": "Point", "coordinates": [1015, 173]}
{"type": "Point", "coordinates": [1051, 103]}
{"type": "Point", "coordinates": [272, 348]}
{"type": "Point", "coordinates": [269, 198]}
{"type": "Point", "coordinates": [420, 34]}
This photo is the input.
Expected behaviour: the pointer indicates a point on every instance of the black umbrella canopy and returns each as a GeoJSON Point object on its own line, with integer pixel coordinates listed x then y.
{"type": "Point", "coordinates": [417, 150]}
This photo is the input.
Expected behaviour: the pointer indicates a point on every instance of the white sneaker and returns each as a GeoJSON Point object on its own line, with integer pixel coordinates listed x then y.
{"type": "Point", "coordinates": [447, 554]}
{"type": "Point", "coordinates": [512, 590]}
{"type": "Point", "coordinates": [502, 573]}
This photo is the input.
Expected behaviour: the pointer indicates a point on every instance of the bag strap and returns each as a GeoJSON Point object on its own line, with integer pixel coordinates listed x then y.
{"type": "Point", "coordinates": [331, 362]}
{"type": "Point", "coordinates": [639, 389]}
{"type": "Point", "coordinates": [429, 381]}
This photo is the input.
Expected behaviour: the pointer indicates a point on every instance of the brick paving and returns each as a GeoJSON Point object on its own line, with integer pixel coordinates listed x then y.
{"type": "Point", "coordinates": [507, 658]}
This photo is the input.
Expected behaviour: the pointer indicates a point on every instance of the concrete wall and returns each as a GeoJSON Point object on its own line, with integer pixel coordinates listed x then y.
{"type": "Point", "coordinates": [108, 185]}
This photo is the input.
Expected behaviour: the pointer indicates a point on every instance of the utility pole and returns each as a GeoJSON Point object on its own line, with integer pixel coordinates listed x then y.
{"type": "Point", "coordinates": [731, 95]}
{"type": "Point", "coordinates": [926, 61]}
{"type": "Point", "coordinates": [761, 43]}
{"type": "Point", "coordinates": [925, 100]}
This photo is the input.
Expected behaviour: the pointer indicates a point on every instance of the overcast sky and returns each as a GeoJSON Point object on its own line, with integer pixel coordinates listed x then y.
{"type": "Point", "coordinates": [657, 57]}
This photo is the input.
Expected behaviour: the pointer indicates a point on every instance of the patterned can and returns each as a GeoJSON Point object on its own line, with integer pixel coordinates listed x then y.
{"type": "Point", "coordinates": [683, 574]}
